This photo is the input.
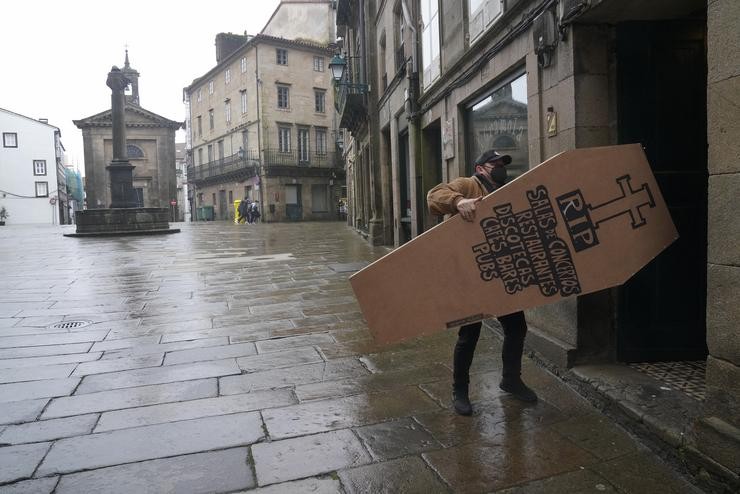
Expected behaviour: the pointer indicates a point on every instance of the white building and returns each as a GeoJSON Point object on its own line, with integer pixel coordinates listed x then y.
{"type": "Point", "coordinates": [28, 169]}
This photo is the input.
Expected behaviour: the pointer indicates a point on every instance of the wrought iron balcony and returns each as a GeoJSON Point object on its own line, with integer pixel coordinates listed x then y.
{"type": "Point", "coordinates": [295, 157]}
{"type": "Point", "coordinates": [234, 166]}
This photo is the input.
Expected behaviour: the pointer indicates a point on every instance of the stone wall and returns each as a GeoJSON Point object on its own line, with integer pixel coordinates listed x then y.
{"type": "Point", "coordinates": [718, 435]}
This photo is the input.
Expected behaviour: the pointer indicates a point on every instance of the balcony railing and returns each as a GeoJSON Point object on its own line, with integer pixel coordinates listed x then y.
{"type": "Point", "coordinates": [224, 166]}
{"type": "Point", "coordinates": [247, 166]}
{"type": "Point", "coordinates": [275, 157]}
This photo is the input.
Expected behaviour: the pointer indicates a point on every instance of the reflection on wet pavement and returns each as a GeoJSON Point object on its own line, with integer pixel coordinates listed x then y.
{"type": "Point", "coordinates": [235, 358]}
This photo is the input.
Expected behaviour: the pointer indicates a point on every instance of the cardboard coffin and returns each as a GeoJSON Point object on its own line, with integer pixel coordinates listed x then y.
{"type": "Point", "coordinates": [582, 221]}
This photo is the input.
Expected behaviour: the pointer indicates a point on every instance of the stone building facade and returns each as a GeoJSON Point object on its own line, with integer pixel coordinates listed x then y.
{"type": "Point", "coordinates": [150, 142]}
{"type": "Point", "coordinates": [262, 121]}
{"type": "Point", "coordinates": [532, 78]}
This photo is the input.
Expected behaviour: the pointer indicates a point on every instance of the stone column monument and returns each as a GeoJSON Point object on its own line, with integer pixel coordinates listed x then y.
{"type": "Point", "coordinates": [123, 217]}
{"type": "Point", "coordinates": [120, 169]}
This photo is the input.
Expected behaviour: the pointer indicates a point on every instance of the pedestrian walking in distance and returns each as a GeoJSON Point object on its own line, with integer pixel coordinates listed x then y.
{"type": "Point", "coordinates": [254, 212]}
{"type": "Point", "coordinates": [243, 208]}
{"type": "Point", "coordinates": [461, 196]}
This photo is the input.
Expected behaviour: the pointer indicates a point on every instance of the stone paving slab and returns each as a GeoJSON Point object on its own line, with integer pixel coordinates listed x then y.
{"type": "Point", "coordinates": [48, 430]}
{"type": "Point", "coordinates": [516, 458]}
{"type": "Point", "coordinates": [38, 373]}
{"type": "Point", "coordinates": [151, 442]}
{"type": "Point", "coordinates": [166, 347]}
{"type": "Point", "coordinates": [157, 375]}
{"type": "Point", "coordinates": [404, 476]}
{"type": "Point", "coordinates": [292, 376]}
{"type": "Point", "coordinates": [130, 397]}
{"type": "Point", "coordinates": [15, 363]}
{"type": "Point", "coordinates": [51, 339]}
{"type": "Point", "coordinates": [372, 383]}
{"type": "Point", "coordinates": [186, 410]}
{"type": "Point", "coordinates": [325, 415]}
{"type": "Point", "coordinates": [210, 353]}
{"type": "Point", "coordinates": [217, 471]}
{"type": "Point", "coordinates": [641, 472]}
{"type": "Point", "coordinates": [396, 438]}
{"type": "Point", "coordinates": [37, 389]}
{"type": "Point", "coordinates": [121, 343]}
{"type": "Point", "coordinates": [240, 332]}
{"type": "Point", "coordinates": [26, 331]}
{"type": "Point", "coordinates": [15, 412]}
{"type": "Point", "coordinates": [19, 462]}
{"type": "Point", "coordinates": [35, 486]}
{"type": "Point", "coordinates": [578, 482]}
{"type": "Point", "coordinates": [119, 364]}
{"type": "Point", "coordinates": [41, 351]}
{"type": "Point", "coordinates": [313, 486]}
{"type": "Point", "coordinates": [277, 344]}
{"type": "Point", "coordinates": [300, 457]}
{"type": "Point", "coordinates": [275, 360]}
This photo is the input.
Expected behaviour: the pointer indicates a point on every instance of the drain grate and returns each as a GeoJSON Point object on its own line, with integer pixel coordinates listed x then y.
{"type": "Point", "coordinates": [686, 376]}
{"type": "Point", "coordinates": [69, 324]}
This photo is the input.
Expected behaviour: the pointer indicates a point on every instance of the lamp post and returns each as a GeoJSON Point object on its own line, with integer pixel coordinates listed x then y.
{"type": "Point", "coordinates": [338, 66]}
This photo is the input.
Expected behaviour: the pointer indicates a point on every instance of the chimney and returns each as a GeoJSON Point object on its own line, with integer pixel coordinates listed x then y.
{"type": "Point", "coordinates": [44, 120]}
{"type": "Point", "coordinates": [228, 43]}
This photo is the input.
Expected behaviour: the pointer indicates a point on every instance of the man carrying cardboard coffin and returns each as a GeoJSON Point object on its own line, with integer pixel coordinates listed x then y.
{"type": "Point", "coordinates": [461, 196]}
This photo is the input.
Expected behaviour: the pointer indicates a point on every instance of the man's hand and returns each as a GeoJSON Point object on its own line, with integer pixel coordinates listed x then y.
{"type": "Point", "coordinates": [466, 208]}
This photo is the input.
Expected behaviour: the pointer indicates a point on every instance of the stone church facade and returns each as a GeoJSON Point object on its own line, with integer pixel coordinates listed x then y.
{"type": "Point", "coordinates": [150, 143]}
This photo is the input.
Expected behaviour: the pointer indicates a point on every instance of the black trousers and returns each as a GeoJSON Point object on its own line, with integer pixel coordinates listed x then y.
{"type": "Point", "coordinates": [515, 329]}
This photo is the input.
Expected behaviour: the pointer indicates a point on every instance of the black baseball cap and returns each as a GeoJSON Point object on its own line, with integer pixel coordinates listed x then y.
{"type": "Point", "coordinates": [492, 155]}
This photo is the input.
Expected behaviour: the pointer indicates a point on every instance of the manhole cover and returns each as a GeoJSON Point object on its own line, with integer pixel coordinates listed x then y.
{"type": "Point", "coordinates": [69, 324]}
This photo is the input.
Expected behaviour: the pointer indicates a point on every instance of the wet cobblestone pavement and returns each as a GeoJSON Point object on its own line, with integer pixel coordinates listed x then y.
{"type": "Point", "coordinates": [232, 358]}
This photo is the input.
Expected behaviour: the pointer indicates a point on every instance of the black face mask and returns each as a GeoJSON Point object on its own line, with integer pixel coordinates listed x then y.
{"type": "Point", "coordinates": [498, 175]}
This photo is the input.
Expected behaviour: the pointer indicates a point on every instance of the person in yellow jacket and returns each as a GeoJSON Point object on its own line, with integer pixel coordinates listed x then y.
{"type": "Point", "coordinates": [461, 196]}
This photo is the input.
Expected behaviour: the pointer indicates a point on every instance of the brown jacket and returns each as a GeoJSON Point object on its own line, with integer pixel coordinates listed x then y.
{"type": "Point", "coordinates": [443, 198]}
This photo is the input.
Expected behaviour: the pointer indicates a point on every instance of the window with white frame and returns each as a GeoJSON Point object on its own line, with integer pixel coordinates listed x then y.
{"type": "Point", "coordinates": [227, 110]}
{"type": "Point", "coordinates": [10, 140]}
{"type": "Point", "coordinates": [39, 167]}
{"type": "Point", "coordinates": [211, 121]}
{"type": "Point", "coordinates": [318, 64]}
{"type": "Point", "coordinates": [320, 141]}
{"type": "Point", "coordinates": [42, 189]}
{"type": "Point", "coordinates": [482, 14]}
{"type": "Point", "coordinates": [303, 145]}
{"type": "Point", "coordinates": [210, 87]}
{"type": "Point", "coordinates": [283, 97]}
{"type": "Point", "coordinates": [284, 139]}
{"type": "Point", "coordinates": [200, 94]}
{"type": "Point", "coordinates": [227, 76]}
{"type": "Point", "coordinates": [281, 56]}
{"type": "Point", "coordinates": [319, 100]}
{"type": "Point", "coordinates": [243, 98]}
{"type": "Point", "coordinates": [244, 64]}
{"type": "Point", "coordinates": [430, 41]}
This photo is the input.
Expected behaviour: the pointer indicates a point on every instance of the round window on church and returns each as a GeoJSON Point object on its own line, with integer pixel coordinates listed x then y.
{"type": "Point", "coordinates": [134, 152]}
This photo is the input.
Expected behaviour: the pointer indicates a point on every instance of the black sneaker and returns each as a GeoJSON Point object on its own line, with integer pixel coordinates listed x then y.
{"type": "Point", "coordinates": [518, 389]}
{"type": "Point", "coordinates": [461, 402]}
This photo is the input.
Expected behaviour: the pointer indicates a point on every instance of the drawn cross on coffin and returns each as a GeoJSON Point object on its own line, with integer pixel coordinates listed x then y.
{"type": "Point", "coordinates": [562, 229]}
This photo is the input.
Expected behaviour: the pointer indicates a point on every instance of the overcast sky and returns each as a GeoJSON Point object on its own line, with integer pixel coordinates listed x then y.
{"type": "Point", "coordinates": [57, 54]}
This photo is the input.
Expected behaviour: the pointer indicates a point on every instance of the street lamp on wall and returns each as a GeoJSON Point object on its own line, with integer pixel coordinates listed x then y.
{"type": "Point", "coordinates": [338, 67]}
